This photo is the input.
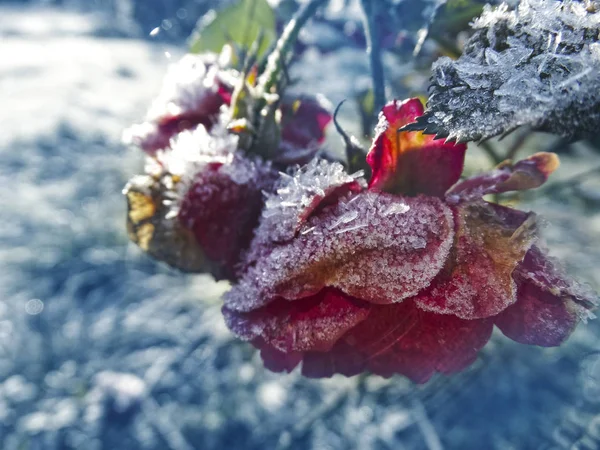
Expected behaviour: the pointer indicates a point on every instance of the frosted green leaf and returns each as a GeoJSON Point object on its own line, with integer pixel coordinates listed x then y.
{"type": "Point", "coordinates": [535, 64]}
{"type": "Point", "coordinates": [239, 24]}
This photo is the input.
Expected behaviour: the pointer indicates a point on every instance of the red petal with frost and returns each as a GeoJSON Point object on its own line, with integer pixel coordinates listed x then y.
{"type": "Point", "coordinates": [410, 162]}
{"type": "Point", "coordinates": [374, 246]}
{"type": "Point", "coordinates": [393, 339]}
{"type": "Point", "coordinates": [489, 243]}
{"type": "Point", "coordinates": [222, 211]}
{"type": "Point", "coordinates": [193, 91]}
{"type": "Point", "coordinates": [528, 173]}
{"type": "Point", "coordinates": [313, 187]}
{"type": "Point", "coordinates": [549, 304]}
{"type": "Point", "coordinates": [315, 323]}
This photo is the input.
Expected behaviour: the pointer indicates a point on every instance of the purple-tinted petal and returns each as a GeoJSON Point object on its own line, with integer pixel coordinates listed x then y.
{"type": "Point", "coordinates": [313, 324]}
{"type": "Point", "coordinates": [539, 317]}
{"type": "Point", "coordinates": [277, 361]}
{"type": "Point", "coordinates": [550, 304]}
{"type": "Point", "coordinates": [222, 206]}
{"type": "Point", "coordinates": [489, 243]}
{"type": "Point", "coordinates": [374, 246]}
{"type": "Point", "coordinates": [528, 173]}
{"type": "Point", "coordinates": [410, 162]}
{"type": "Point", "coordinates": [304, 121]}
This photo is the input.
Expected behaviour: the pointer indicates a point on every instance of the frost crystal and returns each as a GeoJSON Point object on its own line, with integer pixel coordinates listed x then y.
{"type": "Point", "coordinates": [535, 65]}
{"type": "Point", "coordinates": [298, 195]}
{"type": "Point", "coordinates": [193, 91]}
{"type": "Point", "coordinates": [187, 86]}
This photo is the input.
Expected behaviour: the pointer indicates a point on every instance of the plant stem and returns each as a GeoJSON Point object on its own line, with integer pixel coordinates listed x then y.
{"type": "Point", "coordinates": [370, 9]}
{"type": "Point", "coordinates": [491, 152]}
{"type": "Point", "coordinates": [278, 58]}
{"type": "Point", "coordinates": [573, 181]}
{"type": "Point", "coordinates": [518, 143]}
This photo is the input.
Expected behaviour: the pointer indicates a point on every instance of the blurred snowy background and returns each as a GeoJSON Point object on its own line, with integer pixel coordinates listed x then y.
{"type": "Point", "coordinates": [103, 349]}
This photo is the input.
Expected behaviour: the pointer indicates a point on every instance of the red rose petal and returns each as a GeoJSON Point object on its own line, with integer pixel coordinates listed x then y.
{"type": "Point", "coordinates": [277, 361]}
{"type": "Point", "coordinates": [402, 339]}
{"type": "Point", "coordinates": [435, 343]}
{"type": "Point", "coordinates": [539, 317]}
{"type": "Point", "coordinates": [304, 121]}
{"type": "Point", "coordinates": [222, 207]}
{"type": "Point", "coordinates": [408, 162]}
{"type": "Point", "coordinates": [477, 282]}
{"type": "Point", "coordinates": [528, 173]}
{"type": "Point", "coordinates": [549, 304]}
{"type": "Point", "coordinates": [377, 247]}
{"type": "Point", "coordinates": [314, 323]}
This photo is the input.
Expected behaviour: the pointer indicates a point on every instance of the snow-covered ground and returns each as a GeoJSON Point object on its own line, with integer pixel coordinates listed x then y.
{"type": "Point", "coordinates": [101, 348]}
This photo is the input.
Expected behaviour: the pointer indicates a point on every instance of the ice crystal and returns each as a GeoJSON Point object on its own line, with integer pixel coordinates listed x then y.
{"type": "Point", "coordinates": [193, 91]}
{"type": "Point", "coordinates": [298, 194]}
{"type": "Point", "coordinates": [534, 65]}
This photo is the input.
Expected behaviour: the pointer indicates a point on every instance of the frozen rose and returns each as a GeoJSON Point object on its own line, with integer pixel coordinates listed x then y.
{"type": "Point", "coordinates": [192, 93]}
{"type": "Point", "coordinates": [408, 275]}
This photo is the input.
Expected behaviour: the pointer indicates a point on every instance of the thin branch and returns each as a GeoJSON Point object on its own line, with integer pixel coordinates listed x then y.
{"type": "Point", "coordinates": [371, 9]}
{"type": "Point", "coordinates": [573, 182]}
{"type": "Point", "coordinates": [518, 143]}
{"type": "Point", "coordinates": [491, 152]}
{"type": "Point", "coordinates": [278, 57]}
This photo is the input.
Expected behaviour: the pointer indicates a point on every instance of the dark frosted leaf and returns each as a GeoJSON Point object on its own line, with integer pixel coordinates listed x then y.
{"type": "Point", "coordinates": [535, 65]}
{"type": "Point", "coordinates": [240, 24]}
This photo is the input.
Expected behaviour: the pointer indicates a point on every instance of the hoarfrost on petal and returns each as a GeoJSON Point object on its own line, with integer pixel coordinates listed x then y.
{"type": "Point", "coordinates": [297, 196]}
{"type": "Point", "coordinates": [490, 242]}
{"type": "Point", "coordinates": [380, 263]}
{"type": "Point", "coordinates": [550, 303]}
{"type": "Point", "coordinates": [193, 91]}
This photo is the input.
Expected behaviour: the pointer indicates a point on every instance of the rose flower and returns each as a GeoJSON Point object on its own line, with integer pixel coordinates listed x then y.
{"type": "Point", "coordinates": [406, 276]}
{"type": "Point", "coordinates": [192, 93]}
{"type": "Point", "coordinates": [201, 197]}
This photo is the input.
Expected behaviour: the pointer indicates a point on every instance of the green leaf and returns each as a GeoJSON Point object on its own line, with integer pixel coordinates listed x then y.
{"type": "Point", "coordinates": [239, 24]}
